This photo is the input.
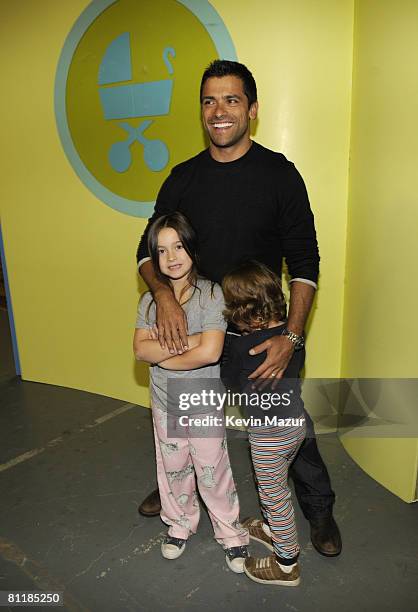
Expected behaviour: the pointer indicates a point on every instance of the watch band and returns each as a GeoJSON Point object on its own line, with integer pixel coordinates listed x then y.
{"type": "Point", "coordinates": [298, 341]}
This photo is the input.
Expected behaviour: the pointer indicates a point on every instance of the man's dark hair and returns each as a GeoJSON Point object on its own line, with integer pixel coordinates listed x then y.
{"type": "Point", "coordinates": [220, 68]}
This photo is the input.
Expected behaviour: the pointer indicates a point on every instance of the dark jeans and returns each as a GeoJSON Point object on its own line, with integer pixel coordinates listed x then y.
{"type": "Point", "coordinates": [310, 477]}
{"type": "Point", "coordinates": [308, 471]}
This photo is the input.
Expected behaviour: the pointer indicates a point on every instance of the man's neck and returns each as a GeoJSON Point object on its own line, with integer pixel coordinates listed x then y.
{"type": "Point", "coordinates": [229, 154]}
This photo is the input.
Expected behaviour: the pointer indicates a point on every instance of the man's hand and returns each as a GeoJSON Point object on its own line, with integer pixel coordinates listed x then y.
{"type": "Point", "coordinates": [279, 348]}
{"type": "Point", "coordinates": [279, 352]}
{"type": "Point", "coordinates": [171, 322]}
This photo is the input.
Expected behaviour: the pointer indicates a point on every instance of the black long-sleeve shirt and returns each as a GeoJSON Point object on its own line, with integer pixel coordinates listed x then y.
{"type": "Point", "coordinates": [255, 207]}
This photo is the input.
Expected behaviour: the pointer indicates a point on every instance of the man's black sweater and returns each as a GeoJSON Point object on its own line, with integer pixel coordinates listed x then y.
{"type": "Point", "coordinates": [255, 207]}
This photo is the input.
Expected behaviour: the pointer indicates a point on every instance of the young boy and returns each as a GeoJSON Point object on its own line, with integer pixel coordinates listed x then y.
{"type": "Point", "coordinates": [256, 306]}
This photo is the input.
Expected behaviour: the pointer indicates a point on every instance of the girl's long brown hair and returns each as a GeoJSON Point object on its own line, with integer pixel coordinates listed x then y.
{"type": "Point", "coordinates": [187, 236]}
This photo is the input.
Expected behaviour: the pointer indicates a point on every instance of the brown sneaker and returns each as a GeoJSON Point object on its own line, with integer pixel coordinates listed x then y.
{"type": "Point", "coordinates": [151, 506]}
{"type": "Point", "coordinates": [257, 533]}
{"type": "Point", "coordinates": [268, 571]}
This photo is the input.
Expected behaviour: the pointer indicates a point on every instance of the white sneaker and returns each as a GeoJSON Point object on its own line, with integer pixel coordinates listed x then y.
{"type": "Point", "coordinates": [235, 558]}
{"type": "Point", "coordinates": [172, 548]}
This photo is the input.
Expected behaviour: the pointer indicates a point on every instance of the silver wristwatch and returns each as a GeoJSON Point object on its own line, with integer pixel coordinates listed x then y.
{"type": "Point", "coordinates": [298, 341]}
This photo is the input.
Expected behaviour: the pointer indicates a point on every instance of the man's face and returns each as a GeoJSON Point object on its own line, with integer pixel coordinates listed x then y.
{"type": "Point", "coordinates": [225, 112]}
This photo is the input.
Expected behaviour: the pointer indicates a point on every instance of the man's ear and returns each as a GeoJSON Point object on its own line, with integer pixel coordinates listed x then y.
{"type": "Point", "coordinates": [253, 110]}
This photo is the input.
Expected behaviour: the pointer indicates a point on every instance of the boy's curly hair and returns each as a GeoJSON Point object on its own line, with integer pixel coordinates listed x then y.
{"type": "Point", "coordinates": [253, 296]}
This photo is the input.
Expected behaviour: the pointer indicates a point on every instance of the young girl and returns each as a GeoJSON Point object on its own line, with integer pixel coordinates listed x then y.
{"type": "Point", "coordinates": [255, 305]}
{"type": "Point", "coordinates": [182, 459]}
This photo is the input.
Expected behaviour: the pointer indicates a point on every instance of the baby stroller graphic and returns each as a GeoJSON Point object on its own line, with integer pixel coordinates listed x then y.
{"type": "Point", "coordinates": [134, 100]}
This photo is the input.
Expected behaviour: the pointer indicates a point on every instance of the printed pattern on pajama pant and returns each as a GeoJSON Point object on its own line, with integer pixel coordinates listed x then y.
{"type": "Point", "coordinates": [273, 450]}
{"type": "Point", "coordinates": [180, 461]}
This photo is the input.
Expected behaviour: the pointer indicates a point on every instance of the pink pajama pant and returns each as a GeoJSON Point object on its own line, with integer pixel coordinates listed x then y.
{"type": "Point", "coordinates": [182, 461]}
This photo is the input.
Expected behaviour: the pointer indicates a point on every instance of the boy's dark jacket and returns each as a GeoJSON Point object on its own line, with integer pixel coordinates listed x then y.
{"type": "Point", "coordinates": [238, 364]}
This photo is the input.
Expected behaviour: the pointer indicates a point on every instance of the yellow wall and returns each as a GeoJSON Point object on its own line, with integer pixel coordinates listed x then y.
{"type": "Point", "coordinates": [381, 298]}
{"type": "Point", "coordinates": [71, 259]}
{"type": "Point", "coordinates": [392, 462]}
{"type": "Point", "coordinates": [301, 55]}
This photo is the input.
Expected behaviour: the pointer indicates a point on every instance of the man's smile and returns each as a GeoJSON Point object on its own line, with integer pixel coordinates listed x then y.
{"type": "Point", "coordinates": [221, 125]}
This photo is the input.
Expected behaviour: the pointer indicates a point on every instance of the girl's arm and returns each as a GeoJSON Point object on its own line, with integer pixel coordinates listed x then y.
{"type": "Point", "coordinates": [208, 351]}
{"type": "Point", "coordinates": [149, 350]}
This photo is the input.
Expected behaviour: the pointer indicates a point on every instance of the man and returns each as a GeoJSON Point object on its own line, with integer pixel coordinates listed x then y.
{"type": "Point", "coordinates": [246, 202]}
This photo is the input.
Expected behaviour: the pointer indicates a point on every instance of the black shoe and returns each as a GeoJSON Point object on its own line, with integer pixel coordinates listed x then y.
{"type": "Point", "coordinates": [151, 506]}
{"type": "Point", "coordinates": [235, 558]}
{"type": "Point", "coordinates": [172, 548]}
{"type": "Point", "coordinates": [325, 536]}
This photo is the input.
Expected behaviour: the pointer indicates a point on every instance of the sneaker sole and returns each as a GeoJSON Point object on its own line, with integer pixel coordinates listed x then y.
{"type": "Point", "coordinates": [173, 554]}
{"type": "Point", "coordinates": [229, 564]}
{"type": "Point", "coordinates": [266, 544]}
{"type": "Point", "coordinates": [289, 583]}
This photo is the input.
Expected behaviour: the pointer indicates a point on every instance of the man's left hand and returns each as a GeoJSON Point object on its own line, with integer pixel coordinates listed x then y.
{"type": "Point", "coordinates": [279, 352]}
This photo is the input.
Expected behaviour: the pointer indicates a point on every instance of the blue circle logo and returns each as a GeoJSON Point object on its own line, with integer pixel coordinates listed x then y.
{"type": "Point", "coordinates": [126, 94]}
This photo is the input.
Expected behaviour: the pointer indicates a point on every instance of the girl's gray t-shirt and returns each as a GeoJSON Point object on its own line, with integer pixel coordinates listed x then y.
{"type": "Point", "coordinates": [204, 312]}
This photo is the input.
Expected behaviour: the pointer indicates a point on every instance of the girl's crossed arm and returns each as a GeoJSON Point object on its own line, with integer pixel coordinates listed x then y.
{"type": "Point", "coordinates": [147, 348]}
{"type": "Point", "coordinates": [209, 350]}
{"type": "Point", "coordinates": [204, 348]}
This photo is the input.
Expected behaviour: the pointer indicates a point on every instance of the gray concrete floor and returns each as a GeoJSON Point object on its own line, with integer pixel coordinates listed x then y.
{"type": "Point", "coordinates": [69, 518]}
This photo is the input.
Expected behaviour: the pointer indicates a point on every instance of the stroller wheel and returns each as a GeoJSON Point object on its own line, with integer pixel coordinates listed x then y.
{"type": "Point", "coordinates": [120, 156]}
{"type": "Point", "coordinates": [156, 154]}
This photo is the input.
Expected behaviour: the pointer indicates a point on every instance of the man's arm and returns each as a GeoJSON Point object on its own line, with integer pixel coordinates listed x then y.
{"type": "Point", "coordinates": [213, 327]}
{"type": "Point", "coordinates": [301, 299]}
{"type": "Point", "coordinates": [171, 319]}
{"type": "Point", "coordinates": [166, 203]}
{"type": "Point", "coordinates": [280, 348]}
{"type": "Point", "coordinates": [300, 250]}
